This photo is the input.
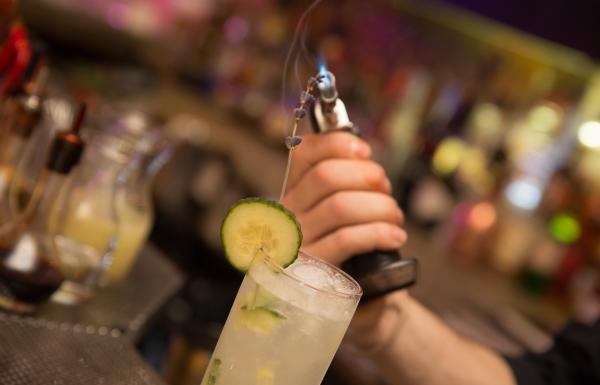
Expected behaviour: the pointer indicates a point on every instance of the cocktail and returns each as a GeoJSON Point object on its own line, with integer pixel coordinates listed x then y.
{"type": "Point", "coordinates": [285, 324]}
{"type": "Point", "coordinates": [292, 309]}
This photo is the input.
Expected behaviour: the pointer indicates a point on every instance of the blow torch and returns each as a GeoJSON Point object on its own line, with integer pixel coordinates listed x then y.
{"type": "Point", "coordinates": [378, 272]}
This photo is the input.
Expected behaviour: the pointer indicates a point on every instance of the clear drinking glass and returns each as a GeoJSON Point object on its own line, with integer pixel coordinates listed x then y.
{"type": "Point", "coordinates": [285, 325]}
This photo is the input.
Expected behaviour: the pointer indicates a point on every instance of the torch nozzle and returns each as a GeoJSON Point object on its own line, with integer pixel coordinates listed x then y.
{"type": "Point", "coordinates": [326, 86]}
{"type": "Point", "coordinates": [329, 112]}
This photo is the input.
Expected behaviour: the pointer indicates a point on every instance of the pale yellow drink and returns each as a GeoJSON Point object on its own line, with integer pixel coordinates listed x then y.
{"type": "Point", "coordinates": [95, 235]}
{"type": "Point", "coordinates": [134, 226]}
{"type": "Point", "coordinates": [285, 325]}
{"type": "Point", "coordinates": [89, 230]}
{"type": "Point", "coordinates": [82, 241]}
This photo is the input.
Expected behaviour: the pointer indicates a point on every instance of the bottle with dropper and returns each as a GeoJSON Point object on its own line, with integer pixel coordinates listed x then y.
{"type": "Point", "coordinates": [29, 267]}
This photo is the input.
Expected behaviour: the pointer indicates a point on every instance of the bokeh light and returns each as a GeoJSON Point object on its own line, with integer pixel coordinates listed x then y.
{"type": "Point", "coordinates": [236, 29]}
{"type": "Point", "coordinates": [487, 116]}
{"type": "Point", "coordinates": [565, 228]}
{"type": "Point", "coordinates": [589, 134]}
{"type": "Point", "coordinates": [482, 216]}
{"type": "Point", "coordinates": [448, 156]}
{"type": "Point", "coordinates": [524, 194]}
{"type": "Point", "coordinates": [544, 118]}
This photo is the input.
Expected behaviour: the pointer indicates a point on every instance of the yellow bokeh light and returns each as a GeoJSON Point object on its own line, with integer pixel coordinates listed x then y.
{"type": "Point", "coordinates": [487, 116]}
{"type": "Point", "coordinates": [544, 118]}
{"type": "Point", "coordinates": [448, 155]}
{"type": "Point", "coordinates": [473, 171]}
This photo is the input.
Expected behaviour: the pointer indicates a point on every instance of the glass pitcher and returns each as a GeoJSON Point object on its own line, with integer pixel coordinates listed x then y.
{"type": "Point", "coordinates": [86, 221]}
{"type": "Point", "coordinates": [134, 208]}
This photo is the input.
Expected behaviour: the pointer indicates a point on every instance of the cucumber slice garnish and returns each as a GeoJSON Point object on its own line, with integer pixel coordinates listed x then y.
{"type": "Point", "coordinates": [255, 224]}
{"type": "Point", "coordinates": [261, 320]}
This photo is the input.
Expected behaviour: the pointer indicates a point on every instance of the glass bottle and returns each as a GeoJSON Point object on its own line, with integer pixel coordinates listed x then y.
{"type": "Point", "coordinates": [134, 205]}
{"type": "Point", "coordinates": [21, 114]}
{"type": "Point", "coordinates": [85, 219]}
{"type": "Point", "coordinates": [29, 265]}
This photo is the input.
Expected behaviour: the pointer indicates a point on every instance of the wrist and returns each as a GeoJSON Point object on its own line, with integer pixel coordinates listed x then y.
{"type": "Point", "coordinates": [377, 323]}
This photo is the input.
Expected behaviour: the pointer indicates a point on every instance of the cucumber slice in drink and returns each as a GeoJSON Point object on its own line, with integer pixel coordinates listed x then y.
{"type": "Point", "coordinates": [260, 297]}
{"type": "Point", "coordinates": [265, 376]}
{"type": "Point", "coordinates": [255, 224]}
{"type": "Point", "coordinates": [214, 371]}
{"type": "Point", "coordinates": [261, 320]}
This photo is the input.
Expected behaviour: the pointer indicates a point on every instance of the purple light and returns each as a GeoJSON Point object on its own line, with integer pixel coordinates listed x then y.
{"type": "Point", "coordinates": [116, 15]}
{"type": "Point", "coordinates": [236, 29]}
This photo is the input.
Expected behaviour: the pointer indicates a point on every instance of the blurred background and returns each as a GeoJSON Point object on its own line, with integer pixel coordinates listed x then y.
{"type": "Point", "coordinates": [486, 116]}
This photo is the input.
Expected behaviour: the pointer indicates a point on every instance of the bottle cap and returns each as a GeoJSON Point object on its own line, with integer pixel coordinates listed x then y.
{"type": "Point", "coordinates": [65, 152]}
{"type": "Point", "coordinates": [67, 147]}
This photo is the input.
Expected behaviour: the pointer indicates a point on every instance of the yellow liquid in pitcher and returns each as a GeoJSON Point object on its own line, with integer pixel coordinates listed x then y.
{"type": "Point", "coordinates": [133, 229]}
{"type": "Point", "coordinates": [89, 230]}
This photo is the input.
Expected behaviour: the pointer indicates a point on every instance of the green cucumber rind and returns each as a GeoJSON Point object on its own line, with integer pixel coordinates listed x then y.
{"type": "Point", "coordinates": [214, 371]}
{"type": "Point", "coordinates": [261, 320]}
{"type": "Point", "coordinates": [264, 309]}
{"type": "Point", "coordinates": [268, 203]}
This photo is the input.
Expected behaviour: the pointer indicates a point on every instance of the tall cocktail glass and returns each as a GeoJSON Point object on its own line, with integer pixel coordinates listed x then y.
{"type": "Point", "coordinates": [285, 325]}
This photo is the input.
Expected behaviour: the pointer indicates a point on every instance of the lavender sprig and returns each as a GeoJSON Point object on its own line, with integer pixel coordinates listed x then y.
{"type": "Point", "coordinates": [307, 97]}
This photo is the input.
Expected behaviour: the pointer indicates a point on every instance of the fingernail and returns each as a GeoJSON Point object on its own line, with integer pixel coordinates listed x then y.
{"type": "Point", "coordinates": [361, 149]}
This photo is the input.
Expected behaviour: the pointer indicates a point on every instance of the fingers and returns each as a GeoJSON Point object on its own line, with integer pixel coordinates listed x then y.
{"type": "Point", "coordinates": [315, 148]}
{"type": "Point", "coordinates": [347, 208]}
{"type": "Point", "coordinates": [341, 199]}
{"type": "Point", "coordinates": [357, 239]}
{"type": "Point", "coordinates": [333, 175]}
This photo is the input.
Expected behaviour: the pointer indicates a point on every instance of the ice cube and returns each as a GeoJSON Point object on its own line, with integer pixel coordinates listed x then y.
{"type": "Point", "coordinates": [312, 274]}
{"type": "Point", "coordinates": [341, 284]}
{"type": "Point", "coordinates": [316, 292]}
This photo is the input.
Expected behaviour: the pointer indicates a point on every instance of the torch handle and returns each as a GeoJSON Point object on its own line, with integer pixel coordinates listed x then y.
{"type": "Point", "coordinates": [381, 272]}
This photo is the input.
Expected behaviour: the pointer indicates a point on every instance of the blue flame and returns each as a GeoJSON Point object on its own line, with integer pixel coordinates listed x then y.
{"type": "Point", "coordinates": [322, 64]}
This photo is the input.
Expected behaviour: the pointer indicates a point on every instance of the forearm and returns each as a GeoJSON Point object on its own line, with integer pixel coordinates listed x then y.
{"type": "Point", "coordinates": [418, 349]}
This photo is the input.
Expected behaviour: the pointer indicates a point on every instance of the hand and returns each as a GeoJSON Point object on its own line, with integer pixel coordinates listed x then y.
{"type": "Point", "coordinates": [341, 198]}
